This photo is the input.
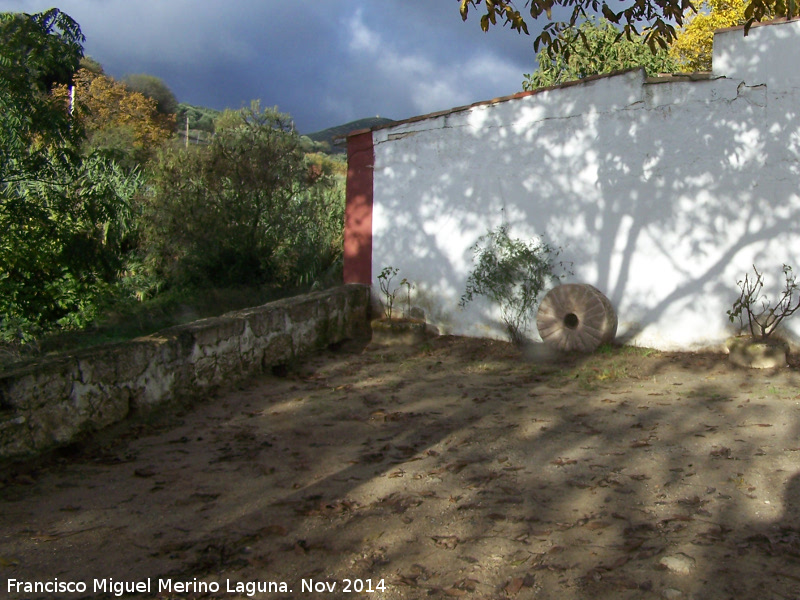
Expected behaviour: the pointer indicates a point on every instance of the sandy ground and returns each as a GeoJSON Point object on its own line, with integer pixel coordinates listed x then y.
{"type": "Point", "coordinates": [459, 468]}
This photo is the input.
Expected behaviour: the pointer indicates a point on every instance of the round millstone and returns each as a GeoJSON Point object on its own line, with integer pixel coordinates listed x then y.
{"type": "Point", "coordinates": [576, 316]}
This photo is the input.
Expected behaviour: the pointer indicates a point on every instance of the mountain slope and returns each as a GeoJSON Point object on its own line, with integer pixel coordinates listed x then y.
{"type": "Point", "coordinates": [331, 134]}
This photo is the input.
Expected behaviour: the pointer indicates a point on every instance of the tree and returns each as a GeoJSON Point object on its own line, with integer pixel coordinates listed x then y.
{"type": "Point", "coordinates": [310, 146]}
{"type": "Point", "coordinates": [91, 65]}
{"type": "Point", "coordinates": [692, 49]}
{"type": "Point", "coordinates": [155, 88]}
{"type": "Point", "coordinates": [200, 117]}
{"type": "Point", "coordinates": [61, 249]}
{"type": "Point", "coordinates": [606, 50]}
{"type": "Point", "coordinates": [42, 50]}
{"type": "Point", "coordinates": [247, 209]}
{"type": "Point", "coordinates": [657, 19]}
{"type": "Point", "coordinates": [37, 52]}
{"type": "Point", "coordinates": [63, 216]}
{"type": "Point", "coordinates": [116, 119]}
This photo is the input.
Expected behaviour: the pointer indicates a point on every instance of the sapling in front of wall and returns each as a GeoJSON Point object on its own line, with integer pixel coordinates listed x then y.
{"type": "Point", "coordinates": [385, 278]}
{"type": "Point", "coordinates": [394, 330]}
{"type": "Point", "coordinates": [512, 273]}
{"type": "Point", "coordinates": [762, 319]}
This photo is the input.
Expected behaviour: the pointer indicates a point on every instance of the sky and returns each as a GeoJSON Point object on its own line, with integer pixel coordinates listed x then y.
{"type": "Point", "coordinates": [324, 62]}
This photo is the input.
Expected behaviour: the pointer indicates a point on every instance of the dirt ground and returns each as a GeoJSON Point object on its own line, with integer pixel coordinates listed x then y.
{"type": "Point", "coordinates": [458, 468]}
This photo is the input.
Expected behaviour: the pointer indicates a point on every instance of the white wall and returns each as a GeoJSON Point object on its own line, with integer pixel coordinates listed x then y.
{"type": "Point", "coordinates": [662, 195]}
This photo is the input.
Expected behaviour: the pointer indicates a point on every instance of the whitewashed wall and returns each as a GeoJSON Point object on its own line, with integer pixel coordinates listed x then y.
{"type": "Point", "coordinates": [662, 195]}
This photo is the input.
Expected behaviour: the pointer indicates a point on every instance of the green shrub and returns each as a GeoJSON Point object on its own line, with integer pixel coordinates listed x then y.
{"type": "Point", "coordinates": [247, 209]}
{"type": "Point", "coordinates": [512, 273]}
{"type": "Point", "coordinates": [62, 246]}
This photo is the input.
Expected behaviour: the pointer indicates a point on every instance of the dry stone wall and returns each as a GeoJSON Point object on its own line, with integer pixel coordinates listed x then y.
{"type": "Point", "coordinates": [55, 401]}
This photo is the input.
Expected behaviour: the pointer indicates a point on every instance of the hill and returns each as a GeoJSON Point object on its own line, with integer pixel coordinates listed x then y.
{"type": "Point", "coordinates": [335, 135]}
{"type": "Point", "coordinates": [201, 128]}
{"type": "Point", "coordinates": [200, 121]}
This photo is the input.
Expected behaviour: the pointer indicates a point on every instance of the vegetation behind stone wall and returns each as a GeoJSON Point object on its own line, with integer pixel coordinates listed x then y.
{"type": "Point", "coordinates": [55, 402]}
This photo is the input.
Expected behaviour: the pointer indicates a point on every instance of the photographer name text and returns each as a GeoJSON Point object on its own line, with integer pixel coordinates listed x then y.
{"type": "Point", "coordinates": [195, 586]}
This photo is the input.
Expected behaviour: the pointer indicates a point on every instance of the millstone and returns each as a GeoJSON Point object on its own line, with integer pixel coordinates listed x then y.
{"type": "Point", "coordinates": [576, 317]}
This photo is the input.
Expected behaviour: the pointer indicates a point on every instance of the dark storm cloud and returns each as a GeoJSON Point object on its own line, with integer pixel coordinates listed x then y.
{"type": "Point", "coordinates": [323, 61]}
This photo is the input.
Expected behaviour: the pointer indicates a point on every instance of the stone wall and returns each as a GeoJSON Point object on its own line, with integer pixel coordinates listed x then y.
{"type": "Point", "coordinates": [55, 401]}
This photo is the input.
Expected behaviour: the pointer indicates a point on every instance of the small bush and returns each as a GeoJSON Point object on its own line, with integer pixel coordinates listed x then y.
{"type": "Point", "coordinates": [512, 273]}
{"type": "Point", "coordinates": [763, 318]}
{"type": "Point", "coordinates": [390, 294]}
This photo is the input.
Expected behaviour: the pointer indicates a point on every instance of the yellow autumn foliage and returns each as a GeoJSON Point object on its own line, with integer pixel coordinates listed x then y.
{"type": "Point", "coordinates": [104, 105]}
{"type": "Point", "coordinates": [692, 49]}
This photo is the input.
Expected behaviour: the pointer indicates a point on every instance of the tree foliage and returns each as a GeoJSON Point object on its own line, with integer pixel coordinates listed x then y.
{"type": "Point", "coordinates": [63, 216]}
{"type": "Point", "coordinates": [61, 248]}
{"type": "Point", "coordinates": [200, 117]}
{"type": "Point", "coordinates": [758, 10]}
{"type": "Point", "coordinates": [153, 87]}
{"type": "Point", "coordinates": [37, 52]}
{"type": "Point", "coordinates": [40, 50]}
{"type": "Point", "coordinates": [606, 50]}
{"type": "Point", "coordinates": [246, 209]}
{"type": "Point", "coordinates": [655, 20]}
{"type": "Point", "coordinates": [692, 49]}
{"type": "Point", "coordinates": [80, 228]}
{"type": "Point", "coordinates": [90, 64]}
{"type": "Point", "coordinates": [116, 119]}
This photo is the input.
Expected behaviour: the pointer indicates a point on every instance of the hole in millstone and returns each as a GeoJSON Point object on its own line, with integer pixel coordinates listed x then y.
{"type": "Point", "coordinates": [280, 370]}
{"type": "Point", "coordinates": [571, 321]}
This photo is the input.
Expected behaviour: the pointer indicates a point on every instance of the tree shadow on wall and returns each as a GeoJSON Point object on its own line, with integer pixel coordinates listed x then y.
{"type": "Point", "coordinates": [652, 195]}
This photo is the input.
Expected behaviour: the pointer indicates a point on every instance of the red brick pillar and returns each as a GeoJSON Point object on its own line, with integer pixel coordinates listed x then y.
{"type": "Point", "coordinates": [358, 210]}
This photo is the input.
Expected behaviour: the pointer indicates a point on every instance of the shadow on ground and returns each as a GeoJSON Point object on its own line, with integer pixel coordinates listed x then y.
{"type": "Point", "coordinates": [458, 468]}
